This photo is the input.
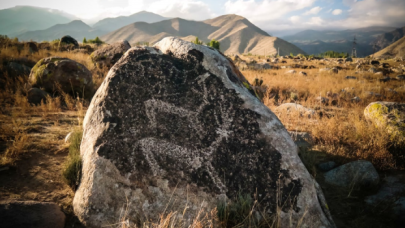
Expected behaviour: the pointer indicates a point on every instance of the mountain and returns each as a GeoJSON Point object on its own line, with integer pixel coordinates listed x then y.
{"type": "Point", "coordinates": [389, 38]}
{"type": "Point", "coordinates": [396, 49]}
{"type": "Point", "coordinates": [340, 41]}
{"type": "Point", "coordinates": [235, 33]}
{"type": "Point", "coordinates": [20, 19]}
{"type": "Point", "coordinates": [111, 24]}
{"type": "Point", "coordinates": [76, 29]}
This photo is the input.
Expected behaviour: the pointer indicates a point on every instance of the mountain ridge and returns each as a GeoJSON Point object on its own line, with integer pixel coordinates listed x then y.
{"type": "Point", "coordinates": [235, 33]}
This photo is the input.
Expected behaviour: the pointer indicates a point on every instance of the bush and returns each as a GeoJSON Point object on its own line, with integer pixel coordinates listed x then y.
{"type": "Point", "coordinates": [214, 44]}
{"type": "Point", "coordinates": [197, 41]}
{"type": "Point", "coordinates": [95, 41]}
{"type": "Point", "coordinates": [72, 170]}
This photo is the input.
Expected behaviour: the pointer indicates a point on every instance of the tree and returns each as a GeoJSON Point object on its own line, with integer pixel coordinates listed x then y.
{"type": "Point", "coordinates": [197, 41]}
{"type": "Point", "coordinates": [214, 44]}
{"type": "Point", "coordinates": [84, 40]}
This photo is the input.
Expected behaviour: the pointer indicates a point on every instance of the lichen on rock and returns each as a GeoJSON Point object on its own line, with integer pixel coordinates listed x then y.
{"type": "Point", "coordinates": [178, 119]}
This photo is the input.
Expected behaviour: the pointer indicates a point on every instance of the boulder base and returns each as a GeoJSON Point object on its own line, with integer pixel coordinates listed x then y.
{"type": "Point", "coordinates": [178, 128]}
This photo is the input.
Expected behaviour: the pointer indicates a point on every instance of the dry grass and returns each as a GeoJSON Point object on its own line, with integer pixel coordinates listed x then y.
{"type": "Point", "coordinates": [340, 128]}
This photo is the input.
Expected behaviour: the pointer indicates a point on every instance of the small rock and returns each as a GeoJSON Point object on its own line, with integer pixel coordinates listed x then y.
{"type": "Point", "coordinates": [303, 73]}
{"type": "Point", "coordinates": [291, 72]}
{"type": "Point", "coordinates": [350, 77]}
{"type": "Point", "coordinates": [326, 166]}
{"type": "Point", "coordinates": [375, 62]}
{"type": "Point", "coordinates": [356, 99]}
{"type": "Point", "coordinates": [323, 100]}
{"type": "Point", "coordinates": [401, 77]}
{"type": "Point", "coordinates": [36, 96]}
{"type": "Point", "coordinates": [359, 173]}
{"type": "Point", "coordinates": [292, 108]}
{"type": "Point", "coordinates": [15, 214]}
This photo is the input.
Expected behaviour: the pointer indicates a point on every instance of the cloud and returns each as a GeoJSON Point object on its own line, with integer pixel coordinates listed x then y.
{"type": "Point", "coordinates": [337, 12]}
{"type": "Point", "coordinates": [187, 9]}
{"type": "Point", "coordinates": [267, 14]}
{"type": "Point", "coordinates": [295, 19]}
{"type": "Point", "coordinates": [314, 11]}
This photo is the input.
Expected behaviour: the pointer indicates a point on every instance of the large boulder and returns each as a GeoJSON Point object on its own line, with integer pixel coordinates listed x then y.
{"type": "Point", "coordinates": [73, 77]}
{"type": "Point", "coordinates": [69, 41]}
{"type": "Point", "coordinates": [178, 127]}
{"type": "Point", "coordinates": [110, 54]}
{"type": "Point", "coordinates": [389, 115]}
{"type": "Point", "coordinates": [358, 173]}
{"type": "Point", "coordinates": [30, 214]}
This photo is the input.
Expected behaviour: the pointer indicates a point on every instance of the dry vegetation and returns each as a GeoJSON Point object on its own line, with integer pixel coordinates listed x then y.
{"type": "Point", "coordinates": [32, 137]}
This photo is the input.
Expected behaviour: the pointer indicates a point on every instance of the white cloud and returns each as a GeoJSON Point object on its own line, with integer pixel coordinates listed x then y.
{"type": "Point", "coordinates": [337, 12]}
{"type": "Point", "coordinates": [267, 14]}
{"type": "Point", "coordinates": [295, 19]}
{"type": "Point", "coordinates": [315, 21]}
{"type": "Point", "coordinates": [314, 11]}
{"type": "Point", "coordinates": [187, 9]}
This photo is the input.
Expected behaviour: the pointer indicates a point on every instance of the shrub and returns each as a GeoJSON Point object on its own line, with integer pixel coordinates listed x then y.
{"type": "Point", "coordinates": [72, 170]}
{"type": "Point", "coordinates": [197, 41]}
{"type": "Point", "coordinates": [214, 44]}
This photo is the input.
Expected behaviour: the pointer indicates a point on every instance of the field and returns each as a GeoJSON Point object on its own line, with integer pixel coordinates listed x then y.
{"type": "Point", "coordinates": [34, 154]}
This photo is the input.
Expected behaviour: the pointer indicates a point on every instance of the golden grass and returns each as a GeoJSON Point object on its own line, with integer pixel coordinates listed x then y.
{"type": "Point", "coordinates": [340, 128]}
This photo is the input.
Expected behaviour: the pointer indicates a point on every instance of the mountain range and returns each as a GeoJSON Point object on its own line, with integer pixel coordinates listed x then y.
{"type": "Point", "coordinates": [368, 40]}
{"type": "Point", "coordinates": [20, 19]}
{"type": "Point", "coordinates": [236, 34]}
{"type": "Point", "coordinates": [76, 29]}
{"type": "Point", "coordinates": [111, 24]}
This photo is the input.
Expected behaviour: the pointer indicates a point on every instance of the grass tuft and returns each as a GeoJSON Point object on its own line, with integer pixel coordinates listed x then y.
{"type": "Point", "coordinates": [72, 169]}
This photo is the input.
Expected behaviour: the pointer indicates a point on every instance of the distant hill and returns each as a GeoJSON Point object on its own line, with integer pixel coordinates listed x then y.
{"type": "Point", "coordinates": [111, 24]}
{"type": "Point", "coordinates": [20, 19]}
{"type": "Point", "coordinates": [396, 49]}
{"type": "Point", "coordinates": [389, 38]}
{"type": "Point", "coordinates": [235, 33]}
{"type": "Point", "coordinates": [76, 29]}
{"type": "Point", "coordinates": [315, 42]}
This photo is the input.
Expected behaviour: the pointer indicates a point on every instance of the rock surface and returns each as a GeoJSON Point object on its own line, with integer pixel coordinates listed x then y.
{"type": "Point", "coordinates": [109, 55]}
{"type": "Point", "coordinates": [30, 214]}
{"type": "Point", "coordinates": [390, 115]}
{"type": "Point", "coordinates": [179, 125]}
{"type": "Point", "coordinates": [294, 109]}
{"type": "Point", "coordinates": [73, 77]}
{"type": "Point", "coordinates": [68, 40]}
{"type": "Point", "coordinates": [36, 96]}
{"type": "Point", "coordinates": [358, 173]}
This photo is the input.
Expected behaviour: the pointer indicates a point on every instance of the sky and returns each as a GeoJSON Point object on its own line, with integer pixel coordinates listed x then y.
{"type": "Point", "coordinates": [277, 17]}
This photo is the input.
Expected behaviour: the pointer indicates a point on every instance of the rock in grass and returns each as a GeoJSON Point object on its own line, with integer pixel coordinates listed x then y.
{"type": "Point", "coordinates": [68, 40]}
{"type": "Point", "coordinates": [36, 96]}
{"type": "Point", "coordinates": [326, 166]}
{"type": "Point", "coordinates": [400, 77]}
{"type": "Point", "coordinates": [15, 214]}
{"type": "Point", "coordinates": [389, 115]}
{"type": "Point", "coordinates": [178, 126]}
{"type": "Point", "coordinates": [73, 77]}
{"type": "Point", "coordinates": [110, 54]}
{"type": "Point", "coordinates": [358, 173]}
{"type": "Point", "coordinates": [294, 109]}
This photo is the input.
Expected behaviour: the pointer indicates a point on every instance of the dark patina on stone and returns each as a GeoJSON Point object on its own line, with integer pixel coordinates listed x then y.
{"type": "Point", "coordinates": [171, 117]}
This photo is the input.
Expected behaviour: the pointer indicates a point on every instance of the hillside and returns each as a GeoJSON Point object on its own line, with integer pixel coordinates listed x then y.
{"type": "Point", "coordinates": [315, 42]}
{"type": "Point", "coordinates": [396, 49]}
{"type": "Point", "coordinates": [76, 29]}
{"type": "Point", "coordinates": [111, 24]}
{"type": "Point", "coordinates": [20, 19]}
{"type": "Point", "coordinates": [235, 33]}
{"type": "Point", "coordinates": [389, 38]}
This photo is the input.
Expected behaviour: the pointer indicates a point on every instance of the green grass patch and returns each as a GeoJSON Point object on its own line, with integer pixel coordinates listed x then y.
{"type": "Point", "coordinates": [72, 170]}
